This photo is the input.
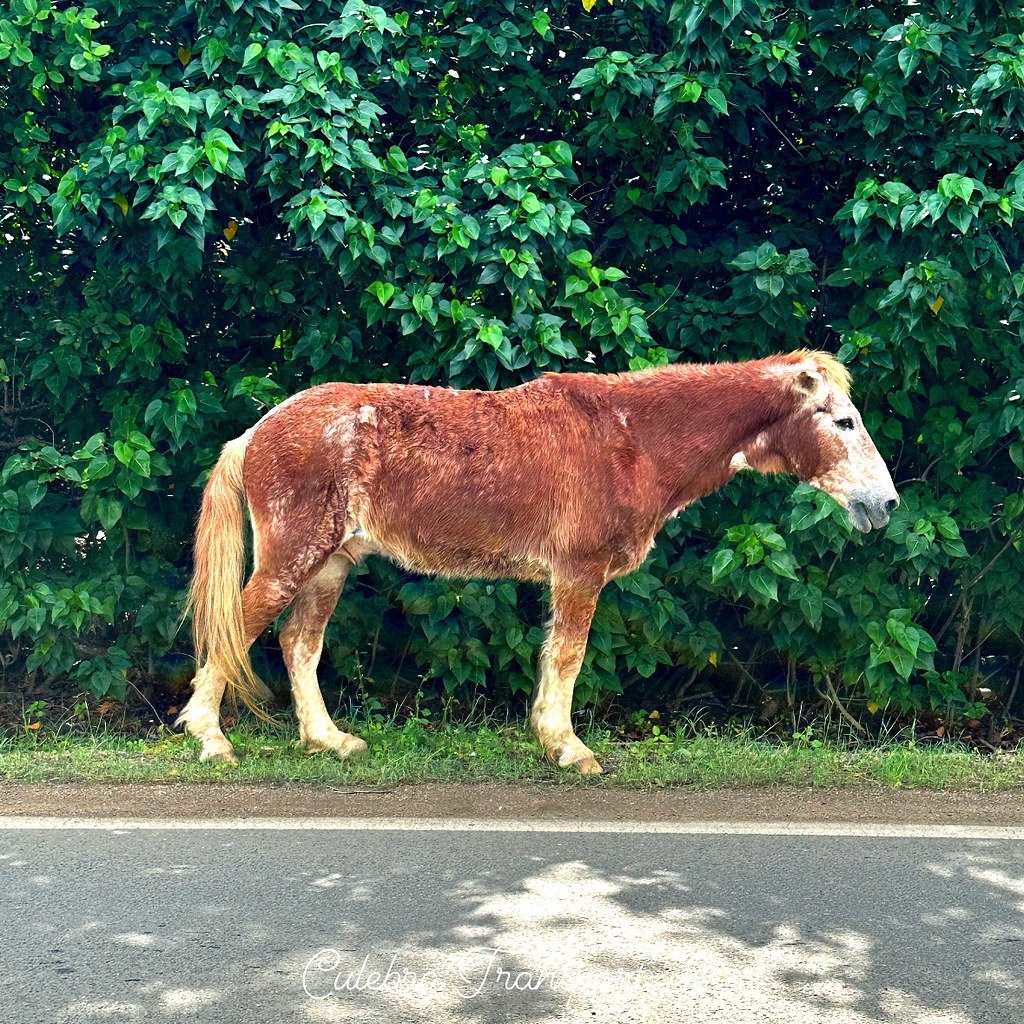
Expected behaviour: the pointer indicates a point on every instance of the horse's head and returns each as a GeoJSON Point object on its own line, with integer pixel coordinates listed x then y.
{"type": "Point", "coordinates": [823, 442]}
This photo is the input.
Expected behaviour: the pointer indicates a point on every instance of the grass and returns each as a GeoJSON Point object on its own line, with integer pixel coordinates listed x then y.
{"type": "Point", "coordinates": [693, 755]}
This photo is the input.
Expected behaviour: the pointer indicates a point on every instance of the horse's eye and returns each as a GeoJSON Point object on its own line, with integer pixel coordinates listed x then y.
{"type": "Point", "coordinates": [845, 423]}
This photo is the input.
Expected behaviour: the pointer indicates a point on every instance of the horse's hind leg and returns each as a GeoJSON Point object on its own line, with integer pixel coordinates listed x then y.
{"type": "Point", "coordinates": [264, 597]}
{"type": "Point", "coordinates": [201, 715]}
{"type": "Point", "coordinates": [302, 643]}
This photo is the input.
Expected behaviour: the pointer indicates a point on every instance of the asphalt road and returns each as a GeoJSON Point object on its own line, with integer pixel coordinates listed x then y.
{"type": "Point", "coordinates": [448, 921]}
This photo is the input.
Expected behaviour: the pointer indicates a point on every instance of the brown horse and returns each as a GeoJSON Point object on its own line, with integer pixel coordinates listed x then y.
{"type": "Point", "coordinates": [564, 480]}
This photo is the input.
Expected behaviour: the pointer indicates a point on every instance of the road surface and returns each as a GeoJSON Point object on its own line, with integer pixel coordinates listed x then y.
{"type": "Point", "coordinates": [418, 919]}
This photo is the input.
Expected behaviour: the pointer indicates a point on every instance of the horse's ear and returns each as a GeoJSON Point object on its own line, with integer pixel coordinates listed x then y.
{"type": "Point", "coordinates": [811, 384]}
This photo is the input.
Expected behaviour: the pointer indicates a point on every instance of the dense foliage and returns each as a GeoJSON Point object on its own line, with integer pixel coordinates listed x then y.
{"type": "Point", "coordinates": [209, 205]}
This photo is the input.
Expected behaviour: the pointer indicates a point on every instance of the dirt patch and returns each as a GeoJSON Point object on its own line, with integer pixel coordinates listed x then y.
{"type": "Point", "coordinates": [494, 800]}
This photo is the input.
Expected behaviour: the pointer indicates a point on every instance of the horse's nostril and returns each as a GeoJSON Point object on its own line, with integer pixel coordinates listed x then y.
{"type": "Point", "coordinates": [890, 505]}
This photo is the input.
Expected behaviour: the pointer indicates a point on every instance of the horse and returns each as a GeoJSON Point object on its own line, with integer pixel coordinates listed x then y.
{"type": "Point", "coordinates": [564, 480]}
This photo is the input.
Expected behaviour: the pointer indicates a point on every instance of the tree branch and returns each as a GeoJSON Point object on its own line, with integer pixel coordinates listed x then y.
{"type": "Point", "coordinates": [838, 705]}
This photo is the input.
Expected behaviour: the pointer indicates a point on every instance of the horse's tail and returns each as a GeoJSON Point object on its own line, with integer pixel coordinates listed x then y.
{"type": "Point", "coordinates": [215, 594]}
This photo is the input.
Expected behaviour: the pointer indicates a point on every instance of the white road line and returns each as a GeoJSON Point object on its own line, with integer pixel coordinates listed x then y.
{"type": "Point", "coordinates": [684, 828]}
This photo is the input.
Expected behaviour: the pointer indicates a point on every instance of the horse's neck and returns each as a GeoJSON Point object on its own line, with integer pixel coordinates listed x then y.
{"type": "Point", "coordinates": [690, 424]}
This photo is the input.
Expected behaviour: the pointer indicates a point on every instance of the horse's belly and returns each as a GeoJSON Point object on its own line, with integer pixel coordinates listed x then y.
{"type": "Point", "coordinates": [448, 555]}
{"type": "Point", "coordinates": [456, 524]}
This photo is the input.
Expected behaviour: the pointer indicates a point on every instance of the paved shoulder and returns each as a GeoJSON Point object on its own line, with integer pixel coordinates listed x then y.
{"type": "Point", "coordinates": [497, 802]}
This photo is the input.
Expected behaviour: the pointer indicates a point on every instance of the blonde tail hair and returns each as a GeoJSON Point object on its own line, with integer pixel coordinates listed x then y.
{"type": "Point", "coordinates": [215, 593]}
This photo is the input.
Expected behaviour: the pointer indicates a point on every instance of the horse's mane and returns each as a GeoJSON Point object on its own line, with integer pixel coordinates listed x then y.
{"type": "Point", "coordinates": [833, 372]}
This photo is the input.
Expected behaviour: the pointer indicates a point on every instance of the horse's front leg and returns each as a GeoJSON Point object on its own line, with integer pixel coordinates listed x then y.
{"type": "Point", "coordinates": [572, 608]}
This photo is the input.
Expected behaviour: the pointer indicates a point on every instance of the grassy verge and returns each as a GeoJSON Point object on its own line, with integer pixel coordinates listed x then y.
{"type": "Point", "coordinates": [419, 751]}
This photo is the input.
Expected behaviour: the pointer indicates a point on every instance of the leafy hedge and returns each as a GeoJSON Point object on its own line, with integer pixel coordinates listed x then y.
{"type": "Point", "coordinates": [208, 206]}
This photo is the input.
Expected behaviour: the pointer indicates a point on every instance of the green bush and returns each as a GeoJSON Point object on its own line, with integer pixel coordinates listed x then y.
{"type": "Point", "coordinates": [208, 206]}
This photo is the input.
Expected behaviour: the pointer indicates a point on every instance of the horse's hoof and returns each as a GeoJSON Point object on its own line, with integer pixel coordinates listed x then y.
{"type": "Point", "coordinates": [344, 746]}
{"type": "Point", "coordinates": [577, 756]}
{"type": "Point", "coordinates": [219, 756]}
{"type": "Point", "coordinates": [352, 747]}
{"type": "Point", "coordinates": [588, 766]}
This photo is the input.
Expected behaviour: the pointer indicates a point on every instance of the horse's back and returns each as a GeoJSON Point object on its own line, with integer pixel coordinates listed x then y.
{"type": "Point", "coordinates": [452, 481]}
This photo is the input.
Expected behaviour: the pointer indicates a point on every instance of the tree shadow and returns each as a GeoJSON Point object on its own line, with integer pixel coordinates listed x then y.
{"type": "Point", "coordinates": [482, 927]}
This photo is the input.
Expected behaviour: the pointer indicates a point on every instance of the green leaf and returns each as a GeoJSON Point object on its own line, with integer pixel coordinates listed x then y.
{"type": "Point", "coordinates": [217, 153]}
{"type": "Point", "coordinates": [782, 563]}
{"type": "Point", "coordinates": [663, 102]}
{"type": "Point", "coordinates": [764, 585]}
{"type": "Point", "coordinates": [724, 562]}
{"type": "Point", "coordinates": [397, 159]}
{"type": "Point", "coordinates": [716, 99]}
{"type": "Point", "coordinates": [108, 511]}
{"type": "Point", "coordinates": [491, 334]}
{"type": "Point", "coordinates": [252, 51]}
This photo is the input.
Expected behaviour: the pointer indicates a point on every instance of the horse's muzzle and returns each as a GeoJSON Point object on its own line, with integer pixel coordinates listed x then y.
{"type": "Point", "coordinates": [867, 513]}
